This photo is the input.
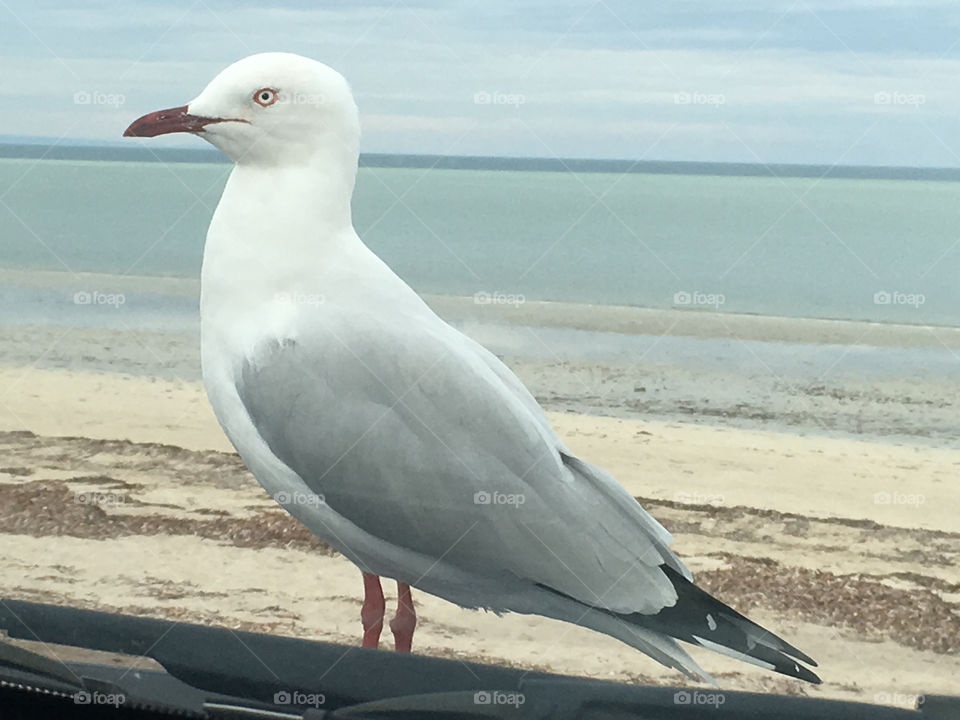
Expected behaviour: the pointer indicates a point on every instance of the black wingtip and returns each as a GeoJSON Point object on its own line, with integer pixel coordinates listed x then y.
{"type": "Point", "coordinates": [802, 673]}
{"type": "Point", "coordinates": [730, 633]}
{"type": "Point", "coordinates": [697, 613]}
{"type": "Point", "coordinates": [750, 627]}
{"type": "Point", "coordinates": [769, 655]}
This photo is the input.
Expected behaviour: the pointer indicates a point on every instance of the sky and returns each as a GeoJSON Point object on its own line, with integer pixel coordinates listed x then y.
{"type": "Point", "coordinates": [848, 82]}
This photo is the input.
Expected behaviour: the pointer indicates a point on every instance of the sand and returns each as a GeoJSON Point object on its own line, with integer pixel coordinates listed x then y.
{"type": "Point", "coordinates": [120, 492]}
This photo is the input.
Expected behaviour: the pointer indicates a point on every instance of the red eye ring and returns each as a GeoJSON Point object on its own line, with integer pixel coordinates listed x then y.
{"type": "Point", "coordinates": [265, 97]}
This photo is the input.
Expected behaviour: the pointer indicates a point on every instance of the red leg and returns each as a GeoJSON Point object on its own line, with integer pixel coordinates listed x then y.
{"type": "Point", "coordinates": [405, 620]}
{"type": "Point", "coordinates": [371, 614]}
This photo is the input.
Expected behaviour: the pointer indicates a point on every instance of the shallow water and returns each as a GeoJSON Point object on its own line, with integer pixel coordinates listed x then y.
{"type": "Point", "coordinates": [881, 250]}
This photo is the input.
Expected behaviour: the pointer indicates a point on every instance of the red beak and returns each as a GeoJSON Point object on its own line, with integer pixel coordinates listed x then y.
{"type": "Point", "coordinates": [171, 120]}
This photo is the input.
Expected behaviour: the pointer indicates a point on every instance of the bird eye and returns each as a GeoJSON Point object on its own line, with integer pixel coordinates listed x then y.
{"type": "Point", "coordinates": [265, 97]}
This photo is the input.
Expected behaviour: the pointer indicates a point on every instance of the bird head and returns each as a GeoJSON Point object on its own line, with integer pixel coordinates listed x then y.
{"type": "Point", "coordinates": [269, 108]}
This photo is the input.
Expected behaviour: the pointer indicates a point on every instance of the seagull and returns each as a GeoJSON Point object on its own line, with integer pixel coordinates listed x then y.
{"type": "Point", "coordinates": [395, 438]}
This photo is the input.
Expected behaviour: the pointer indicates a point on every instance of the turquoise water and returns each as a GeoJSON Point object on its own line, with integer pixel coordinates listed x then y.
{"type": "Point", "coordinates": [883, 250]}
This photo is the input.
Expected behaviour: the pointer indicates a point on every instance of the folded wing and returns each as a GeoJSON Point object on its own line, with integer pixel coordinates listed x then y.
{"type": "Point", "coordinates": [436, 448]}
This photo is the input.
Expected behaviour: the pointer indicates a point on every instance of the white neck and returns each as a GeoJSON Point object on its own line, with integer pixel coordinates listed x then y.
{"type": "Point", "coordinates": [314, 193]}
{"type": "Point", "coordinates": [274, 228]}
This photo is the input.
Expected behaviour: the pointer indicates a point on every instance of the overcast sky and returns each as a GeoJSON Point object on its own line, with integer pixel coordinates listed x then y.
{"type": "Point", "coordinates": [872, 82]}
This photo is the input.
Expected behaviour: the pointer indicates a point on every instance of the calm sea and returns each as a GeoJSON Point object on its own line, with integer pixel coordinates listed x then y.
{"type": "Point", "coordinates": [860, 249]}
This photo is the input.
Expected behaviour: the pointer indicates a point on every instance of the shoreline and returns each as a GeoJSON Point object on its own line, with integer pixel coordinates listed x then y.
{"type": "Point", "coordinates": [893, 396]}
{"type": "Point", "coordinates": [517, 311]}
{"type": "Point", "coordinates": [888, 383]}
{"type": "Point", "coordinates": [884, 382]}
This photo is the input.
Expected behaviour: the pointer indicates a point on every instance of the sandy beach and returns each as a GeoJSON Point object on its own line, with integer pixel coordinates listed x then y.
{"type": "Point", "coordinates": [120, 492]}
{"type": "Point", "coordinates": [806, 468]}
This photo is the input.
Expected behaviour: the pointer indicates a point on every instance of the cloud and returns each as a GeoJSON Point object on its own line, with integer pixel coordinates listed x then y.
{"type": "Point", "coordinates": [799, 81]}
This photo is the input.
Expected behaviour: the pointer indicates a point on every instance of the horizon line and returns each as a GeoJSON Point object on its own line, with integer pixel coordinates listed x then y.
{"type": "Point", "coordinates": [40, 147]}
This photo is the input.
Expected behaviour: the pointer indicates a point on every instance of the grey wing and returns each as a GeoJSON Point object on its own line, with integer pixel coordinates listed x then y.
{"type": "Point", "coordinates": [420, 440]}
{"type": "Point", "coordinates": [603, 481]}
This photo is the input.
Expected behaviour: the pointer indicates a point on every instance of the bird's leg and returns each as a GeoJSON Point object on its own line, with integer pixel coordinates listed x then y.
{"type": "Point", "coordinates": [405, 620]}
{"type": "Point", "coordinates": [371, 614]}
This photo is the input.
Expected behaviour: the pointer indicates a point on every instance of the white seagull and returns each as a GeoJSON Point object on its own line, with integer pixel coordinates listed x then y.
{"type": "Point", "coordinates": [392, 436]}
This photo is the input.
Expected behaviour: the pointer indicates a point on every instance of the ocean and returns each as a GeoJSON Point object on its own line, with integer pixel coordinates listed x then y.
{"type": "Point", "coordinates": [883, 250]}
{"type": "Point", "coordinates": [100, 260]}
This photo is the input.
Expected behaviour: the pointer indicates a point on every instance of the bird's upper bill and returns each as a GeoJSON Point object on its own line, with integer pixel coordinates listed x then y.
{"type": "Point", "coordinates": [171, 120]}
